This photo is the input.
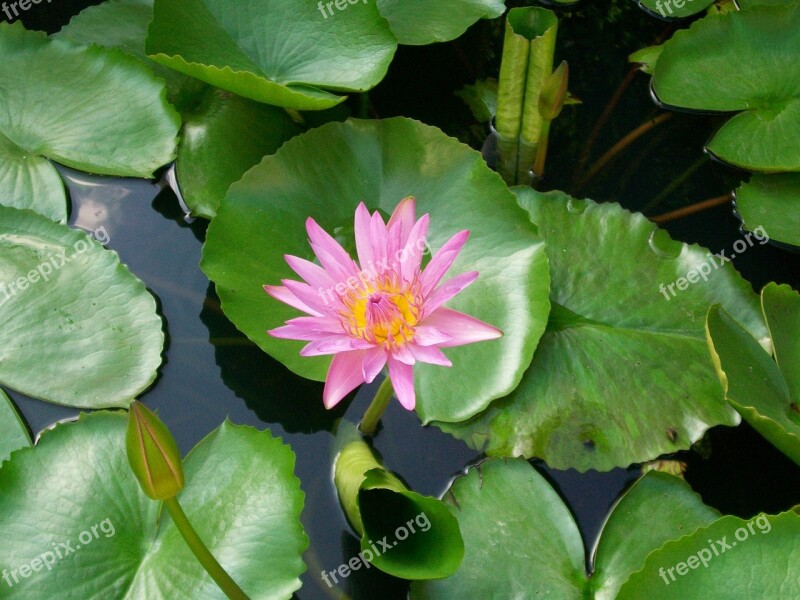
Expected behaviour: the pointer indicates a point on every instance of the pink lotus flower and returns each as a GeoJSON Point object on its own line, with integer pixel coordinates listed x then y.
{"type": "Point", "coordinates": [384, 311]}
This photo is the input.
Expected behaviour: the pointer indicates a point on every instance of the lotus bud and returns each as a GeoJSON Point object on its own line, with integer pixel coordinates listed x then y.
{"type": "Point", "coordinates": [554, 92]}
{"type": "Point", "coordinates": [153, 454]}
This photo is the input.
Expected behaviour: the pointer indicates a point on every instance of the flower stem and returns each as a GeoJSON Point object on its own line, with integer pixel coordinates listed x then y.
{"type": "Point", "coordinates": [198, 548]}
{"type": "Point", "coordinates": [369, 424]}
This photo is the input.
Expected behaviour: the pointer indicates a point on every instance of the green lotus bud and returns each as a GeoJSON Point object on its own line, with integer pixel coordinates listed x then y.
{"type": "Point", "coordinates": [554, 92]}
{"type": "Point", "coordinates": [153, 454]}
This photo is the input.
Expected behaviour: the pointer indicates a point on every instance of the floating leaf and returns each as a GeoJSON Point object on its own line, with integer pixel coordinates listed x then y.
{"type": "Point", "coordinates": [13, 432]}
{"type": "Point", "coordinates": [647, 57]}
{"type": "Point", "coordinates": [222, 138]}
{"type": "Point", "coordinates": [765, 393]}
{"type": "Point", "coordinates": [62, 102]}
{"type": "Point", "coordinates": [675, 9]}
{"type": "Point", "coordinates": [419, 22]}
{"type": "Point", "coordinates": [721, 63]}
{"type": "Point", "coordinates": [622, 374]}
{"type": "Point", "coordinates": [740, 559]}
{"type": "Point", "coordinates": [77, 328]}
{"type": "Point", "coordinates": [380, 162]}
{"type": "Point", "coordinates": [481, 98]}
{"type": "Point", "coordinates": [123, 24]}
{"type": "Point", "coordinates": [75, 489]}
{"type": "Point", "coordinates": [417, 536]}
{"type": "Point", "coordinates": [281, 52]}
{"type": "Point", "coordinates": [772, 202]}
{"type": "Point", "coordinates": [521, 538]}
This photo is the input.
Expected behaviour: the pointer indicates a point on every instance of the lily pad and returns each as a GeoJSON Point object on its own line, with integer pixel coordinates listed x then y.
{"type": "Point", "coordinates": [765, 392]}
{"type": "Point", "coordinates": [772, 202]}
{"type": "Point", "coordinates": [75, 491]}
{"type": "Point", "coordinates": [280, 52]}
{"type": "Point", "coordinates": [675, 9]}
{"type": "Point", "coordinates": [380, 162]}
{"type": "Point", "coordinates": [123, 24]}
{"type": "Point", "coordinates": [721, 63]}
{"type": "Point", "coordinates": [13, 432]}
{"type": "Point", "coordinates": [77, 328]}
{"type": "Point", "coordinates": [746, 559]}
{"type": "Point", "coordinates": [522, 539]}
{"type": "Point", "coordinates": [61, 102]}
{"type": "Point", "coordinates": [622, 374]}
{"type": "Point", "coordinates": [417, 536]}
{"type": "Point", "coordinates": [222, 138]}
{"type": "Point", "coordinates": [420, 22]}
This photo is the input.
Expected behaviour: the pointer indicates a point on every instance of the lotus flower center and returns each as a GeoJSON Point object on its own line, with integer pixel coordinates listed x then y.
{"type": "Point", "coordinates": [382, 312]}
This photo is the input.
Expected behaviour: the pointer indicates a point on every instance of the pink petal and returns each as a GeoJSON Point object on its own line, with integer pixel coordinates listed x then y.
{"type": "Point", "coordinates": [333, 257]}
{"type": "Point", "coordinates": [430, 354]}
{"type": "Point", "coordinates": [283, 294]}
{"type": "Point", "coordinates": [374, 361]}
{"type": "Point", "coordinates": [362, 231]}
{"type": "Point", "coordinates": [442, 261]}
{"type": "Point", "coordinates": [448, 289]}
{"type": "Point", "coordinates": [403, 354]}
{"type": "Point", "coordinates": [314, 275]}
{"type": "Point", "coordinates": [402, 220]}
{"type": "Point", "coordinates": [425, 335]}
{"type": "Point", "coordinates": [411, 255]}
{"type": "Point", "coordinates": [461, 328]}
{"type": "Point", "coordinates": [402, 376]}
{"type": "Point", "coordinates": [379, 240]}
{"type": "Point", "coordinates": [334, 344]}
{"type": "Point", "coordinates": [344, 375]}
{"type": "Point", "coordinates": [323, 325]}
{"type": "Point", "coordinates": [308, 296]}
{"type": "Point", "coordinates": [293, 332]}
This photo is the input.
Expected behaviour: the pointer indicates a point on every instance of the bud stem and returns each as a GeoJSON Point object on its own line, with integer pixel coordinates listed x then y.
{"type": "Point", "coordinates": [198, 548]}
{"type": "Point", "coordinates": [369, 424]}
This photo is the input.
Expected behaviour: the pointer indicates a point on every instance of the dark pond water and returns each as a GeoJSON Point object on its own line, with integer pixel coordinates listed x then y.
{"type": "Point", "coordinates": [212, 372]}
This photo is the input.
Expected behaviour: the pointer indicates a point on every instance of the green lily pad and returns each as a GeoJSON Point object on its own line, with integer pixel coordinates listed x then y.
{"type": "Point", "coordinates": [772, 202]}
{"type": "Point", "coordinates": [765, 392]}
{"type": "Point", "coordinates": [403, 533]}
{"type": "Point", "coordinates": [622, 374]}
{"type": "Point", "coordinates": [282, 52]}
{"type": "Point", "coordinates": [721, 63]}
{"type": "Point", "coordinates": [675, 9]}
{"type": "Point", "coordinates": [123, 24]}
{"type": "Point", "coordinates": [481, 98]}
{"type": "Point", "coordinates": [380, 162]}
{"type": "Point", "coordinates": [420, 22]}
{"type": "Point", "coordinates": [13, 432]}
{"type": "Point", "coordinates": [77, 328]}
{"type": "Point", "coordinates": [741, 559]}
{"type": "Point", "coordinates": [75, 490]}
{"type": "Point", "coordinates": [61, 102]}
{"type": "Point", "coordinates": [520, 537]}
{"type": "Point", "coordinates": [647, 58]}
{"type": "Point", "coordinates": [222, 138]}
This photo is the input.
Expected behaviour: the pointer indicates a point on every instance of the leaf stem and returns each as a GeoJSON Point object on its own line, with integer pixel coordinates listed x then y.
{"type": "Point", "coordinates": [369, 424]}
{"type": "Point", "coordinates": [619, 147]}
{"type": "Point", "coordinates": [692, 209]}
{"type": "Point", "coordinates": [201, 552]}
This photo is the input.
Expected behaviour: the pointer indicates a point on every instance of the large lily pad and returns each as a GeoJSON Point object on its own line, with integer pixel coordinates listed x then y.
{"type": "Point", "coordinates": [76, 488]}
{"type": "Point", "coordinates": [62, 102]}
{"type": "Point", "coordinates": [622, 373]}
{"type": "Point", "coordinates": [380, 162]}
{"type": "Point", "coordinates": [520, 537]}
{"type": "Point", "coordinates": [765, 392]}
{"type": "Point", "coordinates": [77, 328]}
{"type": "Point", "coordinates": [722, 63]}
{"type": "Point", "coordinates": [751, 560]}
{"type": "Point", "coordinates": [13, 432]}
{"type": "Point", "coordinates": [673, 9]}
{"type": "Point", "coordinates": [772, 202]}
{"type": "Point", "coordinates": [281, 52]}
{"type": "Point", "coordinates": [419, 22]}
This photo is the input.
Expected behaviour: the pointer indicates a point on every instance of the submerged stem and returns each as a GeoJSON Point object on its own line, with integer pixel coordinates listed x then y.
{"type": "Point", "coordinates": [369, 424]}
{"type": "Point", "coordinates": [201, 552]}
